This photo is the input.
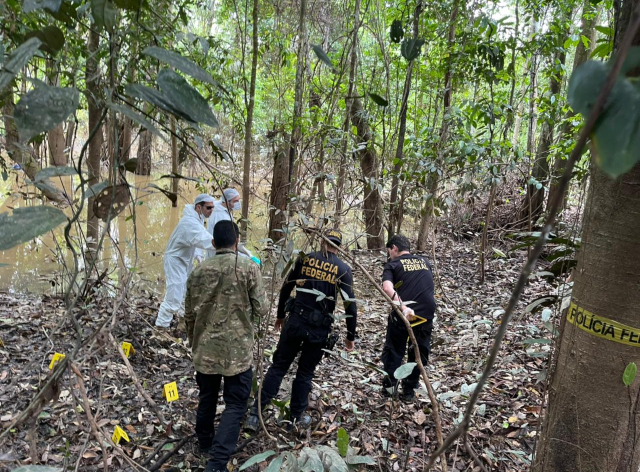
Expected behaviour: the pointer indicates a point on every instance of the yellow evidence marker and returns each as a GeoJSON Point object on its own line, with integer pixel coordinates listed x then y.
{"type": "Point", "coordinates": [56, 357]}
{"type": "Point", "coordinates": [170, 392]}
{"type": "Point", "coordinates": [118, 434]}
{"type": "Point", "coordinates": [127, 348]}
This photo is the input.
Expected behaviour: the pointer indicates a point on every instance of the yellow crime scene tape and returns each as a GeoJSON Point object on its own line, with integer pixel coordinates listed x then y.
{"type": "Point", "coordinates": [602, 327]}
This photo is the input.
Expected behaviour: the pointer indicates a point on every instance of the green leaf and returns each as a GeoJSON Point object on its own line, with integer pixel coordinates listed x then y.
{"type": "Point", "coordinates": [167, 447]}
{"type": "Point", "coordinates": [309, 461]}
{"type": "Point", "coordinates": [170, 195]}
{"type": "Point", "coordinates": [94, 190]}
{"type": "Point", "coordinates": [155, 97]}
{"type": "Point", "coordinates": [275, 464]}
{"type": "Point", "coordinates": [629, 373]}
{"type": "Point", "coordinates": [185, 98]}
{"type": "Point", "coordinates": [105, 14]}
{"type": "Point", "coordinates": [605, 30]}
{"type": "Point", "coordinates": [256, 459]}
{"type": "Point", "coordinates": [404, 371]}
{"type": "Point", "coordinates": [322, 55]}
{"type": "Point", "coordinates": [17, 60]}
{"type": "Point", "coordinates": [396, 32]}
{"type": "Point", "coordinates": [181, 63]}
{"type": "Point", "coordinates": [357, 460]}
{"type": "Point", "coordinates": [27, 223]}
{"type": "Point", "coordinates": [499, 253]}
{"type": "Point", "coordinates": [135, 117]}
{"type": "Point", "coordinates": [54, 172]}
{"type": "Point", "coordinates": [52, 39]}
{"type": "Point", "coordinates": [43, 108]}
{"type": "Point", "coordinates": [33, 5]}
{"type": "Point", "coordinates": [343, 442]}
{"type": "Point", "coordinates": [378, 99]}
{"type": "Point", "coordinates": [131, 164]}
{"type": "Point", "coordinates": [410, 48]}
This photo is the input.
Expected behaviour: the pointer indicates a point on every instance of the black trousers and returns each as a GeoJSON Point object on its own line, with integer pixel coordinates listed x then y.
{"type": "Point", "coordinates": [395, 347]}
{"type": "Point", "coordinates": [222, 444]}
{"type": "Point", "coordinates": [297, 336]}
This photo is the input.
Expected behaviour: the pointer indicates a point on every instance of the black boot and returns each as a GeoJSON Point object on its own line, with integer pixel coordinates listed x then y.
{"type": "Point", "coordinates": [252, 423]}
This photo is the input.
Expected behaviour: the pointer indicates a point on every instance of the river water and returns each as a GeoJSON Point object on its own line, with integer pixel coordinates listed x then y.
{"type": "Point", "coordinates": [36, 266]}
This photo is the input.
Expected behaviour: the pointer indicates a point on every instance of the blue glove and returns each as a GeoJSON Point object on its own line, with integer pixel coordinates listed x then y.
{"type": "Point", "coordinates": [256, 260]}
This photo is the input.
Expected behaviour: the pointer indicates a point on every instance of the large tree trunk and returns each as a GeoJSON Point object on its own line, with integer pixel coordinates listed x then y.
{"type": "Point", "coordinates": [395, 208]}
{"type": "Point", "coordinates": [18, 153]}
{"type": "Point", "coordinates": [372, 208]}
{"type": "Point", "coordinates": [593, 419]}
{"type": "Point", "coordinates": [428, 210]}
{"type": "Point", "coordinates": [587, 29]}
{"type": "Point", "coordinates": [95, 145]}
{"type": "Point", "coordinates": [246, 191]}
{"type": "Point", "coordinates": [56, 141]}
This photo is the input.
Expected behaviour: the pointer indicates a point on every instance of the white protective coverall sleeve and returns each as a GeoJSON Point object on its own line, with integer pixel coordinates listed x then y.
{"type": "Point", "coordinates": [178, 262]}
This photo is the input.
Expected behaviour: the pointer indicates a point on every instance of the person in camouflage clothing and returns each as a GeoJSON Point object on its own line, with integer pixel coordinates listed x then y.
{"type": "Point", "coordinates": [224, 296]}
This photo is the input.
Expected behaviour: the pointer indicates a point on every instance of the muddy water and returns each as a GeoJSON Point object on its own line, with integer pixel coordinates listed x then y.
{"type": "Point", "coordinates": [36, 266]}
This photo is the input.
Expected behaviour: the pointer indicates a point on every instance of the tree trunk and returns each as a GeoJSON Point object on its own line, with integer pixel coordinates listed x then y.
{"type": "Point", "coordinates": [587, 29]}
{"type": "Point", "coordinates": [296, 133]}
{"type": "Point", "coordinates": [395, 208]}
{"type": "Point", "coordinates": [95, 145]}
{"type": "Point", "coordinates": [353, 62]}
{"type": "Point", "coordinates": [246, 191]}
{"type": "Point", "coordinates": [145, 144]}
{"type": "Point", "coordinates": [372, 208]}
{"type": "Point", "coordinates": [19, 154]}
{"type": "Point", "coordinates": [174, 160]}
{"type": "Point", "coordinates": [56, 140]}
{"type": "Point", "coordinates": [428, 210]}
{"type": "Point", "coordinates": [593, 419]}
{"type": "Point", "coordinates": [279, 194]}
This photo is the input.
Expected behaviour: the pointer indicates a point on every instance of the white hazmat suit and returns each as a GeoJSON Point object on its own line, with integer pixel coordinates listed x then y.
{"type": "Point", "coordinates": [178, 262]}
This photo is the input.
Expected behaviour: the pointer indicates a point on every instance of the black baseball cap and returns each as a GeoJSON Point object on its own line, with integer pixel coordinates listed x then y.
{"type": "Point", "coordinates": [334, 236]}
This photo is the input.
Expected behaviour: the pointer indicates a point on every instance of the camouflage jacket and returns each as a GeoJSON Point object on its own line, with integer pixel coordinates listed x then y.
{"type": "Point", "coordinates": [221, 304]}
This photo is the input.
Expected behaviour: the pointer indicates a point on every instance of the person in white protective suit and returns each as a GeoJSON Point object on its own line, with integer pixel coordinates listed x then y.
{"type": "Point", "coordinates": [223, 210]}
{"type": "Point", "coordinates": [189, 235]}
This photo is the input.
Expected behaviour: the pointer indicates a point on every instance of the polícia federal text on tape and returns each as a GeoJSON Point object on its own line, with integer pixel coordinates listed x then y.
{"type": "Point", "coordinates": [603, 327]}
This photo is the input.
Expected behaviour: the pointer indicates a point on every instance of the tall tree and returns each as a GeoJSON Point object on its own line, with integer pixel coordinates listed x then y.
{"type": "Point", "coordinates": [593, 418]}
{"type": "Point", "coordinates": [250, 104]}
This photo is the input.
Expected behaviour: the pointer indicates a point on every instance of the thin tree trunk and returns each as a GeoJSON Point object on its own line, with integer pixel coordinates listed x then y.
{"type": "Point", "coordinates": [95, 145]}
{"type": "Point", "coordinates": [427, 212]}
{"type": "Point", "coordinates": [395, 209]}
{"type": "Point", "coordinates": [249, 124]}
{"type": "Point", "coordinates": [145, 145]}
{"type": "Point", "coordinates": [279, 193]}
{"type": "Point", "coordinates": [174, 160]}
{"type": "Point", "coordinates": [587, 29]}
{"type": "Point", "coordinates": [56, 141]}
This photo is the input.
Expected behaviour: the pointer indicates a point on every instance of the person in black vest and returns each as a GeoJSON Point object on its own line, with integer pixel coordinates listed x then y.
{"type": "Point", "coordinates": [407, 279]}
{"type": "Point", "coordinates": [318, 278]}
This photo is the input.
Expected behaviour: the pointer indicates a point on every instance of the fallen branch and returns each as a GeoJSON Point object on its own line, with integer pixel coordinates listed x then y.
{"type": "Point", "coordinates": [167, 455]}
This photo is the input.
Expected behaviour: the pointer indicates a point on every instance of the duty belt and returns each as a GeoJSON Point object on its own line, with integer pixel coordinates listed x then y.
{"type": "Point", "coordinates": [313, 317]}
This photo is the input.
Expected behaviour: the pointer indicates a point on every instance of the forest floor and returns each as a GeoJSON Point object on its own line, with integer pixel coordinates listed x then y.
{"type": "Point", "coordinates": [346, 391]}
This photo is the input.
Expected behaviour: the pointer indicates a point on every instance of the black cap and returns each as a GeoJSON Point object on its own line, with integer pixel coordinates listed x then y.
{"type": "Point", "coordinates": [334, 236]}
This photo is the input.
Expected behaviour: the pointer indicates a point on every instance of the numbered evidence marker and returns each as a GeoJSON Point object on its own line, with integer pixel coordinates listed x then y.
{"type": "Point", "coordinates": [127, 348]}
{"type": "Point", "coordinates": [118, 434]}
{"type": "Point", "coordinates": [170, 392]}
{"type": "Point", "coordinates": [56, 357]}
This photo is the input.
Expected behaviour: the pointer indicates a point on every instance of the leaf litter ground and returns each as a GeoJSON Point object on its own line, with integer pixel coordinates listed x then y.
{"type": "Point", "coordinates": [346, 390]}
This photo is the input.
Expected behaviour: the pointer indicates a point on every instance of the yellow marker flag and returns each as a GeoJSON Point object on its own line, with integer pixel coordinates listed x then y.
{"type": "Point", "coordinates": [170, 392]}
{"type": "Point", "coordinates": [118, 434]}
{"type": "Point", "coordinates": [127, 348]}
{"type": "Point", "coordinates": [56, 357]}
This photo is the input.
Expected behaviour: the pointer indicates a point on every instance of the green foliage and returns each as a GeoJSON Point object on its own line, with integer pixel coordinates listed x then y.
{"type": "Point", "coordinates": [404, 371]}
{"type": "Point", "coordinates": [322, 55]}
{"type": "Point", "coordinates": [52, 39]}
{"type": "Point", "coordinates": [378, 99]}
{"type": "Point", "coordinates": [396, 32]}
{"type": "Point", "coordinates": [105, 14]}
{"type": "Point", "coordinates": [410, 48]}
{"type": "Point", "coordinates": [135, 117]}
{"type": "Point", "coordinates": [37, 468]}
{"type": "Point", "coordinates": [256, 459]}
{"type": "Point", "coordinates": [615, 135]}
{"type": "Point", "coordinates": [185, 98]}
{"type": "Point", "coordinates": [181, 63]}
{"type": "Point", "coordinates": [54, 172]}
{"type": "Point", "coordinates": [629, 374]}
{"type": "Point", "coordinates": [43, 108]}
{"type": "Point", "coordinates": [27, 223]}
{"type": "Point", "coordinates": [343, 442]}
{"type": "Point", "coordinates": [32, 5]}
{"type": "Point", "coordinates": [17, 60]}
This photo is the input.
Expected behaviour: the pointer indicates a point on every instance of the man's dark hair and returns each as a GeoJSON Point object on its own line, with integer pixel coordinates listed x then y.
{"type": "Point", "coordinates": [399, 241]}
{"type": "Point", "coordinates": [225, 234]}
